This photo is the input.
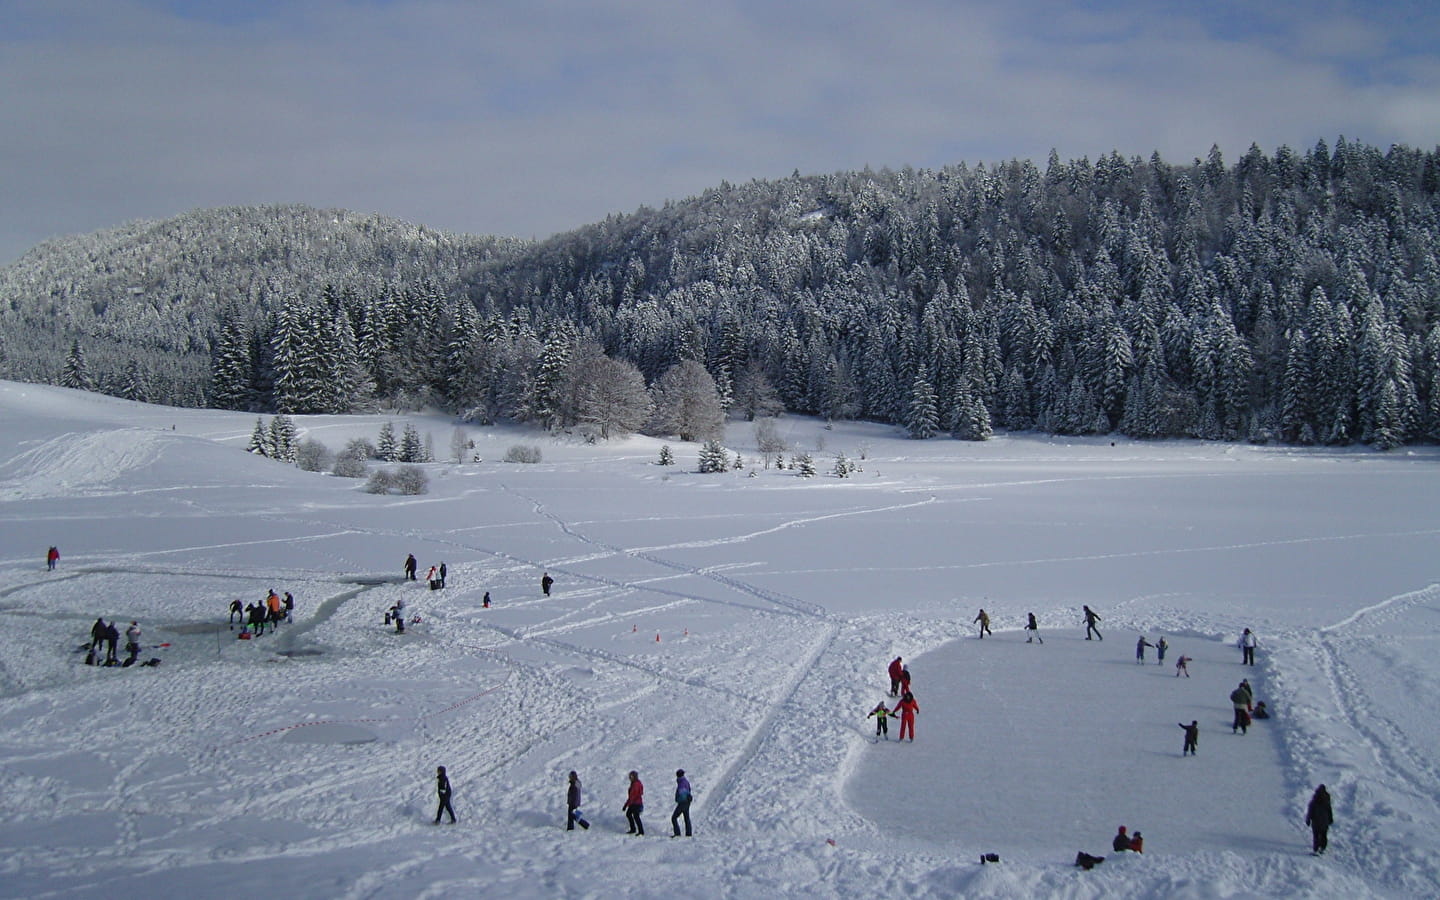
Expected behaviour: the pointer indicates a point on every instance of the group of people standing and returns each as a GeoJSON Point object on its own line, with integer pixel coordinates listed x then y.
{"type": "Point", "coordinates": [107, 634]}
{"type": "Point", "coordinates": [906, 709]}
{"type": "Point", "coordinates": [253, 617]}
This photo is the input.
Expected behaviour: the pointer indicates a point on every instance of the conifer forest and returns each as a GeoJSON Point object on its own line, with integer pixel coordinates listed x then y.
{"type": "Point", "coordinates": [1290, 297]}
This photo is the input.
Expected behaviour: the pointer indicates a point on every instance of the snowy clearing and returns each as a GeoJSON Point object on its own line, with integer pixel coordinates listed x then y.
{"type": "Point", "coordinates": [737, 626]}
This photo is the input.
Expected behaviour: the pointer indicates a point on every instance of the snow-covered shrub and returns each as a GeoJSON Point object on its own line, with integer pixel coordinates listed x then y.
{"type": "Point", "coordinates": [523, 453]}
{"type": "Point", "coordinates": [666, 457]}
{"type": "Point", "coordinates": [411, 480]}
{"type": "Point", "coordinates": [312, 456]}
{"type": "Point", "coordinates": [381, 480]}
{"type": "Point", "coordinates": [348, 466]}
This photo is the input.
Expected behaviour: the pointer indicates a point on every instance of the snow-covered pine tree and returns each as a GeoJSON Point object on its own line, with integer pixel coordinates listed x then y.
{"type": "Point", "coordinates": [713, 457]}
{"type": "Point", "coordinates": [411, 450]}
{"type": "Point", "coordinates": [667, 458]}
{"type": "Point", "coordinates": [260, 439]}
{"type": "Point", "coordinates": [923, 419]}
{"type": "Point", "coordinates": [284, 442]}
{"type": "Point", "coordinates": [386, 447]}
{"type": "Point", "coordinates": [804, 465]}
{"type": "Point", "coordinates": [75, 374]}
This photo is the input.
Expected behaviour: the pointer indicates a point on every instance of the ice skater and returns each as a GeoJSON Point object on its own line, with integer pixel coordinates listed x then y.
{"type": "Point", "coordinates": [1160, 647]}
{"type": "Point", "coordinates": [1091, 617]}
{"type": "Point", "coordinates": [1182, 664]}
{"type": "Point", "coordinates": [1192, 737]}
{"type": "Point", "coordinates": [1034, 628]}
{"type": "Point", "coordinates": [1140, 646]}
{"type": "Point", "coordinates": [906, 710]}
{"type": "Point", "coordinates": [881, 712]}
{"type": "Point", "coordinates": [410, 567]}
{"type": "Point", "coordinates": [984, 619]}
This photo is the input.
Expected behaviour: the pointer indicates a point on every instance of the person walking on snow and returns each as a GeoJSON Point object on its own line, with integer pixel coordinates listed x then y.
{"type": "Point", "coordinates": [1034, 628]}
{"type": "Point", "coordinates": [410, 567]}
{"type": "Point", "coordinates": [682, 804]}
{"type": "Point", "coordinates": [289, 605]}
{"type": "Point", "coordinates": [52, 556]}
{"type": "Point", "coordinates": [1160, 648]}
{"type": "Point", "coordinates": [572, 805]}
{"type": "Point", "coordinates": [906, 710]}
{"type": "Point", "coordinates": [1247, 648]}
{"type": "Point", "coordinates": [635, 805]}
{"type": "Point", "coordinates": [984, 619]}
{"type": "Point", "coordinates": [1319, 816]}
{"type": "Point", "coordinates": [112, 637]}
{"type": "Point", "coordinates": [904, 679]}
{"type": "Point", "coordinates": [1091, 617]}
{"type": "Point", "coordinates": [236, 611]}
{"type": "Point", "coordinates": [97, 634]}
{"type": "Point", "coordinates": [881, 712]}
{"type": "Point", "coordinates": [1192, 737]}
{"type": "Point", "coordinates": [895, 668]}
{"type": "Point", "coordinates": [442, 574]}
{"type": "Point", "coordinates": [1140, 646]}
{"type": "Point", "coordinates": [1182, 665]}
{"type": "Point", "coordinates": [545, 582]}
{"type": "Point", "coordinates": [431, 575]}
{"type": "Point", "coordinates": [1242, 715]}
{"type": "Point", "coordinates": [1249, 695]}
{"type": "Point", "coordinates": [442, 790]}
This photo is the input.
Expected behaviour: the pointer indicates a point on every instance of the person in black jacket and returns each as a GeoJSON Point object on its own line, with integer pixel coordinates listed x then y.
{"type": "Point", "coordinates": [1192, 737]}
{"type": "Point", "coordinates": [1091, 617]}
{"type": "Point", "coordinates": [442, 789]}
{"type": "Point", "coordinates": [1121, 843]}
{"type": "Point", "coordinates": [1319, 817]}
{"type": "Point", "coordinates": [410, 567]}
{"type": "Point", "coordinates": [545, 582]}
{"type": "Point", "coordinates": [572, 805]}
{"type": "Point", "coordinates": [112, 637]}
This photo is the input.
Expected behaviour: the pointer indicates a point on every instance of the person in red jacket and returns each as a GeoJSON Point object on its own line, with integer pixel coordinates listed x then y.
{"type": "Point", "coordinates": [635, 804]}
{"type": "Point", "coordinates": [906, 710]}
{"type": "Point", "coordinates": [52, 556]}
{"type": "Point", "coordinates": [895, 666]}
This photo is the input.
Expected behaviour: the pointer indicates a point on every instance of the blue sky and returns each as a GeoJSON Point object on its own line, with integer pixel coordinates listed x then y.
{"type": "Point", "coordinates": [530, 118]}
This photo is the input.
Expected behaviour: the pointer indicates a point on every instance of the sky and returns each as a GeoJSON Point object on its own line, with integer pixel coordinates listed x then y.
{"type": "Point", "coordinates": [532, 118]}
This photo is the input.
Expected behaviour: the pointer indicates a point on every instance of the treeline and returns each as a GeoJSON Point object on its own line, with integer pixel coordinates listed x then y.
{"type": "Point", "coordinates": [1289, 296]}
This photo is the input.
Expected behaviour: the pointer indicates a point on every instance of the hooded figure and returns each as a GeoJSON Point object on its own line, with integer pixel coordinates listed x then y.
{"type": "Point", "coordinates": [1319, 816]}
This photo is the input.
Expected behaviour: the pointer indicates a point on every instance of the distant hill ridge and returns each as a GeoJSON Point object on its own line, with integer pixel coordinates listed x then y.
{"type": "Point", "coordinates": [1290, 296]}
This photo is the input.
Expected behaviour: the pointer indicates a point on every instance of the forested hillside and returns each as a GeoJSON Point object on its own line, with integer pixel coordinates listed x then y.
{"type": "Point", "coordinates": [1289, 296]}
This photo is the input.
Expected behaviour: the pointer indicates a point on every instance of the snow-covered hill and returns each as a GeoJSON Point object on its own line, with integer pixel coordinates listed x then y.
{"type": "Point", "coordinates": [736, 626]}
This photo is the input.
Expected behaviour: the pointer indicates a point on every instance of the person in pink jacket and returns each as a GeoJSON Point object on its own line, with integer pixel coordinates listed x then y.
{"type": "Point", "coordinates": [635, 804]}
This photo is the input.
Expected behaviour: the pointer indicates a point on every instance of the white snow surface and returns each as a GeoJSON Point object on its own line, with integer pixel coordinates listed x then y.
{"type": "Point", "coordinates": [737, 626]}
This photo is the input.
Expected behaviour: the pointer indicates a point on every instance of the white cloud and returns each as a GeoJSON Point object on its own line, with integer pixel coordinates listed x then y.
{"type": "Point", "coordinates": [529, 118]}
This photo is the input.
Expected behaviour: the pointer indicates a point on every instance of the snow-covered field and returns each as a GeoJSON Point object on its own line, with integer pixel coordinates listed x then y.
{"type": "Point", "coordinates": [737, 626]}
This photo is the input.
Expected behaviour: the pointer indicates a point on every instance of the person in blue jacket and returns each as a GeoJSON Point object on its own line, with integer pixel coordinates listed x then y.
{"type": "Point", "coordinates": [682, 804]}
